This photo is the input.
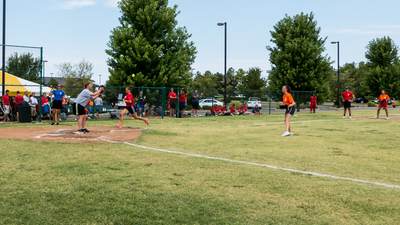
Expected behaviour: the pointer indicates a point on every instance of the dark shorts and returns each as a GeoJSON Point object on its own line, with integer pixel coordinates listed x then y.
{"type": "Point", "coordinates": [57, 104]}
{"type": "Point", "coordinates": [141, 106]}
{"type": "Point", "coordinates": [195, 105]}
{"type": "Point", "coordinates": [172, 105]}
{"type": "Point", "coordinates": [347, 104]}
{"type": "Point", "coordinates": [181, 106]}
{"type": "Point", "coordinates": [78, 109]}
{"type": "Point", "coordinates": [131, 109]}
{"type": "Point", "coordinates": [290, 110]}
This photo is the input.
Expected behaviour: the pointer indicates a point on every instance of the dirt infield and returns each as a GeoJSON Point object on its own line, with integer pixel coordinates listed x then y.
{"type": "Point", "coordinates": [67, 134]}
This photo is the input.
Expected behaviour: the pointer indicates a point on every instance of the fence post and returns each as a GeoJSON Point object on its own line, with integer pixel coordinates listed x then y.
{"type": "Point", "coordinates": [177, 103]}
{"type": "Point", "coordinates": [163, 103]}
{"type": "Point", "coordinates": [41, 77]}
{"type": "Point", "coordinates": [243, 98]}
{"type": "Point", "coordinates": [270, 97]}
{"type": "Point", "coordinates": [212, 101]}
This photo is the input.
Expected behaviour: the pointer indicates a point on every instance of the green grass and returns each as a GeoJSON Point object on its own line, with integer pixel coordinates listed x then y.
{"type": "Point", "coordinates": [66, 183]}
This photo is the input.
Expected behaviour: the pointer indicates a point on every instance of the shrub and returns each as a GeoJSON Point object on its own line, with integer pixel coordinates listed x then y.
{"type": "Point", "coordinates": [372, 104]}
{"type": "Point", "coordinates": [206, 107]}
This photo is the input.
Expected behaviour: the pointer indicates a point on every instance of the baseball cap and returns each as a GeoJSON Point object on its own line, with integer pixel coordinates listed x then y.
{"type": "Point", "coordinates": [347, 88]}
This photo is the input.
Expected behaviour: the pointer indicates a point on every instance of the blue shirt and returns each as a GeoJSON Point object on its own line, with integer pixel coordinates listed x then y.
{"type": "Point", "coordinates": [58, 94]}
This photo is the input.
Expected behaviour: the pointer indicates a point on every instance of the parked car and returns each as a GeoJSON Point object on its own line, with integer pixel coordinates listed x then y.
{"type": "Point", "coordinates": [209, 102]}
{"type": "Point", "coordinates": [121, 104]}
{"type": "Point", "coordinates": [253, 101]}
{"type": "Point", "coordinates": [389, 102]}
{"type": "Point", "coordinates": [239, 96]}
{"type": "Point", "coordinates": [361, 100]}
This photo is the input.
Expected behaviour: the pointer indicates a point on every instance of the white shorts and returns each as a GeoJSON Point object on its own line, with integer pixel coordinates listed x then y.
{"type": "Point", "coordinates": [6, 109]}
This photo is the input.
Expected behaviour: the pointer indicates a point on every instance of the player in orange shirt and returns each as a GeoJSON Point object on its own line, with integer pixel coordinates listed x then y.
{"type": "Point", "coordinates": [290, 108]}
{"type": "Point", "coordinates": [383, 98]}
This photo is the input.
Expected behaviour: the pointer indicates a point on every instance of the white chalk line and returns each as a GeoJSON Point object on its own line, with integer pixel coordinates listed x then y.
{"type": "Point", "coordinates": [268, 166]}
{"type": "Point", "coordinates": [246, 125]}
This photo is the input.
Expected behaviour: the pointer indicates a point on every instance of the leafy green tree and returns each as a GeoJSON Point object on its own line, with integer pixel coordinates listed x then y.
{"type": "Point", "coordinates": [24, 66]}
{"type": "Point", "coordinates": [75, 76]}
{"type": "Point", "coordinates": [383, 63]}
{"type": "Point", "coordinates": [149, 44]}
{"type": "Point", "coordinates": [52, 83]}
{"type": "Point", "coordinates": [297, 58]}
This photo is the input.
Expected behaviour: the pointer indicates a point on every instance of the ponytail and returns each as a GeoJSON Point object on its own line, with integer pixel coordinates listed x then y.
{"type": "Point", "coordinates": [289, 90]}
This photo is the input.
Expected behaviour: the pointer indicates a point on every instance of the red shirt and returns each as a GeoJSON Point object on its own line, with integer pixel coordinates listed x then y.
{"type": "Point", "coordinates": [65, 102]}
{"type": "Point", "coordinates": [182, 98]}
{"type": "Point", "coordinates": [18, 99]}
{"type": "Point", "coordinates": [240, 108]}
{"type": "Point", "coordinates": [44, 101]}
{"type": "Point", "coordinates": [6, 100]}
{"type": "Point", "coordinates": [245, 108]}
{"type": "Point", "coordinates": [313, 99]}
{"type": "Point", "coordinates": [222, 108]}
{"type": "Point", "coordinates": [129, 97]}
{"type": "Point", "coordinates": [215, 109]}
{"type": "Point", "coordinates": [172, 96]}
{"type": "Point", "coordinates": [347, 95]}
{"type": "Point", "coordinates": [233, 109]}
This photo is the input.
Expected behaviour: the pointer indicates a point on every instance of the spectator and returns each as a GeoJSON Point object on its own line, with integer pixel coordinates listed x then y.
{"type": "Point", "coordinates": [140, 100]}
{"type": "Point", "coordinates": [241, 110]}
{"type": "Point", "coordinates": [313, 105]}
{"type": "Point", "coordinates": [59, 96]}
{"type": "Point", "coordinates": [182, 99]}
{"type": "Point", "coordinates": [98, 101]}
{"type": "Point", "coordinates": [195, 102]}
{"type": "Point", "coordinates": [45, 100]}
{"type": "Point", "coordinates": [347, 98]}
{"type": "Point", "coordinates": [18, 99]}
{"type": "Point", "coordinates": [159, 111]}
{"type": "Point", "coordinates": [223, 110]}
{"type": "Point", "coordinates": [256, 111]}
{"type": "Point", "coordinates": [233, 110]}
{"type": "Point", "coordinates": [215, 110]}
{"type": "Point", "coordinates": [172, 102]}
{"type": "Point", "coordinates": [64, 102]}
{"type": "Point", "coordinates": [26, 97]}
{"type": "Point", "coordinates": [33, 103]}
{"type": "Point", "coordinates": [6, 105]}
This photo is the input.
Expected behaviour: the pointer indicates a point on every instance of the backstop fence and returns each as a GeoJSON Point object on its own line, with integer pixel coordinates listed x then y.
{"type": "Point", "coordinates": [155, 101]}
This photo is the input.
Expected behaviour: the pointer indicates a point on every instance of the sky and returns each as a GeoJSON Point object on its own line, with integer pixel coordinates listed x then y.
{"type": "Point", "coordinates": [72, 30]}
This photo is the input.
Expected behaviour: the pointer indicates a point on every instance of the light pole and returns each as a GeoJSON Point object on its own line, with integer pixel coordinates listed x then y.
{"type": "Point", "coordinates": [99, 79]}
{"type": "Point", "coordinates": [51, 74]}
{"type": "Point", "coordinates": [224, 24]}
{"type": "Point", "coordinates": [44, 65]}
{"type": "Point", "coordinates": [4, 47]}
{"type": "Point", "coordinates": [338, 74]}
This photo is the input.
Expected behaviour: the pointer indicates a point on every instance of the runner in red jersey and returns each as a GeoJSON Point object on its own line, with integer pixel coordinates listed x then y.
{"type": "Point", "coordinates": [347, 98]}
{"type": "Point", "coordinates": [313, 105]}
{"type": "Point", "coordinates": [130, 108]}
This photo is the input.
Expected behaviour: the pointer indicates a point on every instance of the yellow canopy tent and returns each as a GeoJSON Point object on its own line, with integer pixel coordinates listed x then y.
{"type": "Point", "coordinates": [26, 85]}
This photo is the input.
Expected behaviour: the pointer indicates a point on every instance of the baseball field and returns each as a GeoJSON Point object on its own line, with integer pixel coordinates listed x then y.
{"type": "Point", "coordinates": [210, 170]}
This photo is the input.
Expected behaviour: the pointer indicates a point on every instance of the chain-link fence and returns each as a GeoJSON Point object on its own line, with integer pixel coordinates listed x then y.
{"type": "Point", "coordinates": [180, 102]}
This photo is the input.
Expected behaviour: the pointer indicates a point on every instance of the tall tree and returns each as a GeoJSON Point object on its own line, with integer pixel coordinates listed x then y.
{"type": "Point", "coordinates": [75, 76]}
{"type": "Point", "coordinates": [24, 66]}
{"type": "Point", "coordinates": [297, 58]}
{"type": "Point", "coordinates": [383, 63]}
{"type": "Point", "coordinates": [149, 44]}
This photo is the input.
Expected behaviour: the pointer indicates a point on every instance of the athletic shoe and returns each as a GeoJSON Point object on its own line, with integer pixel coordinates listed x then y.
{"type": "Point", "coordinates": [146, 121]}
{"type": "Point", "coordinates": [58, 124]}
{"type": "Point", "coordinates": [285, 134]}
{"type": "Point", "coordinates": [349, 117]}
{"type": "Point", "coordinates": [86, 130]}
{"type": "Point", "coordinates": [344, 117]}
{"type": "Point", "coordinates": [376, 117]}
{"type": "Point", "coordinates": [291, 133]}
{"type": "Point", "coordinates": [52, 124]}
{"type": "Point", "coordinates": [387, 118]}
{"type": "Point", "coordinates": [119, 125]}
{"type": "Point", "coordinates": [80, 132]}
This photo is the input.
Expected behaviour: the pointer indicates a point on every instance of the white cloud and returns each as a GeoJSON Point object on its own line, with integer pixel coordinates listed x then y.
{"type": "Point", "coordinates": [73, 4]}
{"type": "Point", "coordinates": [112, 3]}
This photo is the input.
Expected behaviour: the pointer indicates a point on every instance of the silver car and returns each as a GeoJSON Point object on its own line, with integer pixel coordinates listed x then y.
{"type": "Point", "coordinates": [253, 101]}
